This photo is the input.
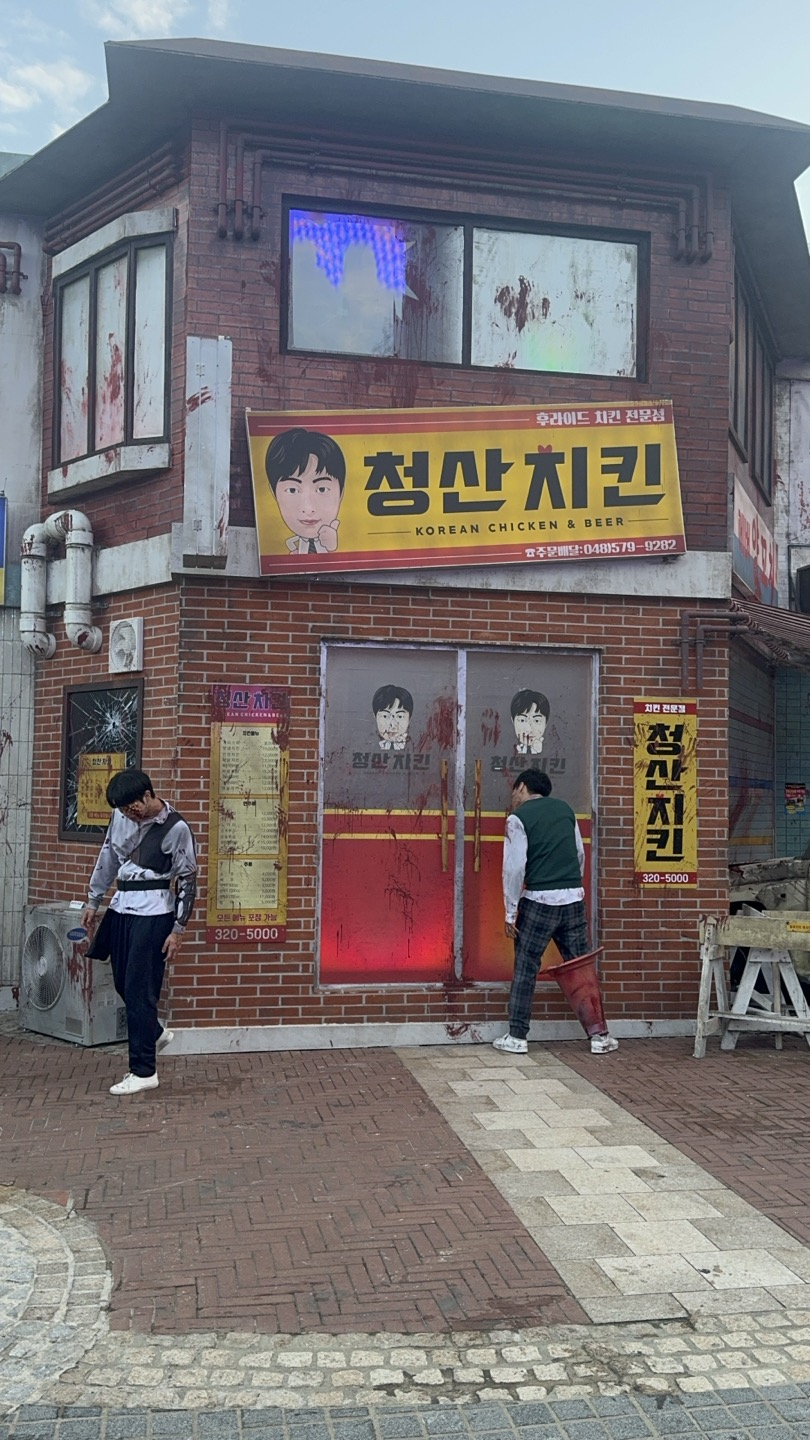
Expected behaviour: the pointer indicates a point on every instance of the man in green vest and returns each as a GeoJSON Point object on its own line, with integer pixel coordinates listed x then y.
{"type": "Point", "coordinates": [543, 866]}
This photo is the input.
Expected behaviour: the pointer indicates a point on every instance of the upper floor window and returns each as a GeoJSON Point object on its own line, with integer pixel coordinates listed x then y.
{"type": "Point", "coordinates": [461, 293]}
{"type": "Point", "coordinates": [112, 295]}
{"type": "Point", "coordinates": [751, 390]}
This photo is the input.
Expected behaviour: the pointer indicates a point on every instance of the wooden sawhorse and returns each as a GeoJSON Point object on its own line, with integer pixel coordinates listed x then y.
{"type": "Point", "coordinates": [769, 936]}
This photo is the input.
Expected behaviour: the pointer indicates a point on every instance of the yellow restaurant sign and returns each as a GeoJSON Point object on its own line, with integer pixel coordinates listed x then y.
{"type": "Point", "coordinates": [665, 792]}
{"type": "Point", "coordinates": [390, 489]}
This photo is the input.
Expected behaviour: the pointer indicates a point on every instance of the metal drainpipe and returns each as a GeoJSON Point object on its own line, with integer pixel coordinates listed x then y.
{"type": "Point", "coordinates": [222, 204]}
{"type": "Point", "coordinates": [640, 188]}
{"type": "Point", "coordinates": [706, 622]}
{"type": "Point", "coordinates": [73, 529]}
{"type": "Point", "coordinates": [33, 593]}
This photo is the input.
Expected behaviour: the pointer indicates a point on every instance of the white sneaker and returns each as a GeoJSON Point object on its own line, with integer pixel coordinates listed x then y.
{"type": "Point", "coordinates": [164, 1039]}
{"type": "Point", "coordinates": [603, 1044]}
{"type": "Point", "coordinates": [511, 1044]}
{"type": "Point", "coordinates": [131, 1084]}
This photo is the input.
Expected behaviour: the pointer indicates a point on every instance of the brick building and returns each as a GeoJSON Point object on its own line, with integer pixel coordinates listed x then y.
{"type": "Point", "coordinates": [252, 230]}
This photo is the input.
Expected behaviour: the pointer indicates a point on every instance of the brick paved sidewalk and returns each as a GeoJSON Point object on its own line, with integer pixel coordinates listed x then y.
{"type": "Point", "coordinates": [743, 1115]}
{"type": "Point", "coordinates": [279, 1193]}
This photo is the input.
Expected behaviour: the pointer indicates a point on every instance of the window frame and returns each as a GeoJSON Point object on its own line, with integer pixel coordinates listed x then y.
{"type": "Point", "coordinates": [128, 246]}
{"type": "Point", "coordinates": [469, 222]}
{"type": "Point", "coordinates": [751, 389]}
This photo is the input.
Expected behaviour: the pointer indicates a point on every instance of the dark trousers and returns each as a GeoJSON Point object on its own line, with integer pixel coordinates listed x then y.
{"type": "Point", "coordinates": [536, 925]}
{"type": "Point", "coordinates": [138, 963]}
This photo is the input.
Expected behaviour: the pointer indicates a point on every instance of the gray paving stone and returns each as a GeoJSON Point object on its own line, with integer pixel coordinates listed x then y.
{"type": "Point", "coordinates": [130, 1426]}
{"type": "Point", "coordinates": [571, 1409]}
{"type": "Point", "coordinates": [448, 1421]}
{"type": "Point", "coordinates": [309, 1427]}
{"type": "Point", "coordinates": [37, 1412]}
{"type": "Point", "coordinates": [168, 1422]}
{"type": "Point", "coordinates": [400, 1426]}
{"type": "Point", "coordinates": [529, 1412]}
{"type": "Point", "coordinates": [705, 1399]}
{"type": "Point", "coordinates": [216, 1425]}
{"type": "Point", "coordinates": [757, 1413]}
{"type": "Point", "coordinates": [267, 1416]}
{"type": "Point", "coordinates": [612, 1405]}
{"type": "Point", "coordinates": [717, 1419]}
{"type": "Point", "coordinates": [772, 1432]}
{"type": "Point", "coordinates": [674, 1420]}
{"type": "Point", "coordinates": [540, 1432]}
{"type": "Point", "coordinates": [84, 1428]}
{"type": "Point", "coordinates": [628, 1427]}
{"type": "Point", "coordinates": [586, 1430]}
{"type": "Point", "coordinates": [747, 1396]}
{"type": "Point", "coordinates": [354, 1429]}
{"type": "Point", "coordinates": [488, 1416]}
{"type": "Point", "coordinates": [794, 1410]}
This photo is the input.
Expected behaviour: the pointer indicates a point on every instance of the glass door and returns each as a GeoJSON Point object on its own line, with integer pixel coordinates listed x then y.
{"type": "Point", "coordinates": [388, 850]}
{"type": "Point", "coordinates": [421, 745]}
{"type": "Point", "coordinates": [523, 711]}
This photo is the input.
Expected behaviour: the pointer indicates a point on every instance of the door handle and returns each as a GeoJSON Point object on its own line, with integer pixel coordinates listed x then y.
{"type": "Point", "coordinates": [444, 771]}
{"type": "Point", "coordinates": [477, 819]}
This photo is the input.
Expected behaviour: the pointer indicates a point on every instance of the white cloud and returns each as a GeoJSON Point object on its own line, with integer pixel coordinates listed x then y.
{"type": "Point", "coordinates": [135, 19]}
{"type": "Point", "coordinates": [219, 14]}
{"type": "Point", "coordinates": [60, 85]}
{"type": "Point", "coordinates": [14, 96]}
{"type": "Point", "coordinates": [61, 82]}
{"type": "Point", "coordinates": [42, 32]}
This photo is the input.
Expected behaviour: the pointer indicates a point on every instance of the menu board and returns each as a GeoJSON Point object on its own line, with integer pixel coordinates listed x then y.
{"type": "Point", "coordinates": [247, 879]}
{"type": "Point", "coordinates": [94, 775]}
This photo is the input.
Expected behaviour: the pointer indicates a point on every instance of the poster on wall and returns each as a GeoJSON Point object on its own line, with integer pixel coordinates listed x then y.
{"type": "Point", "coordinates": [95, 774]}
{"type": "Point", "coordinates": [665, 792]}
{"type": "Point", "coordinates": [795, 798]}
{"type": "Point", "coordinates": [101, 735]}
{"type": "Point", "coordinates": [247, 864]}
{"type": "Point", "coordinates": [389, 489]}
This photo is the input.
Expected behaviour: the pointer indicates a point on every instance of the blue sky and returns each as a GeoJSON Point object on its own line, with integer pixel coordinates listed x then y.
{"type": "Point", "coordinates": [737, 52]}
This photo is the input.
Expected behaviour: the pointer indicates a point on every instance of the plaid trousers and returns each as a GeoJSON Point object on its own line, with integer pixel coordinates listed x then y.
{"type": "Point", "coordinates": [536, 925]}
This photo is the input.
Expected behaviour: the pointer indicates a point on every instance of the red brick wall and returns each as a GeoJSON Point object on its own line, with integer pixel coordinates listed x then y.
{"type": "Point", "coordinates": [264, 634]}
{"type": "Point", "coordinates": [236, 289]}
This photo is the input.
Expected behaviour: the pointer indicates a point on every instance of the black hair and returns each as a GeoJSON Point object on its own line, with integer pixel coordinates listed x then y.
{"type": "Point", "coordinates": [536, 782]}
{"type": "Point", "coordinates": [288, 455]}
{"type": "Point", "coordinates": [127, 787]}
{"type": "Point", "coordinates": [525, 699]}
{"type": "Point", "coordinates": [387, 694]}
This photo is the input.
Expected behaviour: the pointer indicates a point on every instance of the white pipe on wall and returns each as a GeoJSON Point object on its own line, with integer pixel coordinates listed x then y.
{"type": "Point", "coordinates": [33, 591]}
{"type": "Point", "coordinates": [73, 529]}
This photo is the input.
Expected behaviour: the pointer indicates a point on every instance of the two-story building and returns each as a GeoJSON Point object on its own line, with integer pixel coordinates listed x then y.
{"type": "Point", "coordinates": [407, 428]}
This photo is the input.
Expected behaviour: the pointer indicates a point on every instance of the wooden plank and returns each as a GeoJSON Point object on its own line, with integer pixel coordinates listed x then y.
{"type": "Point", "coordinates": [772, 930]}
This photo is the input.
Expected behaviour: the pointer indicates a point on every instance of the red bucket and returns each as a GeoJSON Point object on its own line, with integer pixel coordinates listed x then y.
{"type": "Point", "coordinates": [579, 982]}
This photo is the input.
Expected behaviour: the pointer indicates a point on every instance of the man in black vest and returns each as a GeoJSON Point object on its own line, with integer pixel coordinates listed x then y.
{"type": "Point", "coordinates": [543, 866]}
{"type": "Point", "coordinates": [149, 851]}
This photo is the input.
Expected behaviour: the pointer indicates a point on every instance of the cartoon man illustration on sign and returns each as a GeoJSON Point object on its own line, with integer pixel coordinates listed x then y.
{"type": "Point", "coordinates": [530, 711]}
{"type": "Point", "coordinates": [393, 708]}
{"type": "Point", "coordinates": [307, 471]}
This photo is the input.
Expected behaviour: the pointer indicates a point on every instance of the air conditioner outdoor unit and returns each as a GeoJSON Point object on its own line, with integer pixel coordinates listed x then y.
{"type": "Point", "coordinates": [62, 992]}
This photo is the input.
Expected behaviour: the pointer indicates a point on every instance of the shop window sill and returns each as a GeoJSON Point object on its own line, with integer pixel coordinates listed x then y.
{"type": "Point", "coordinates": [109, 467]}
